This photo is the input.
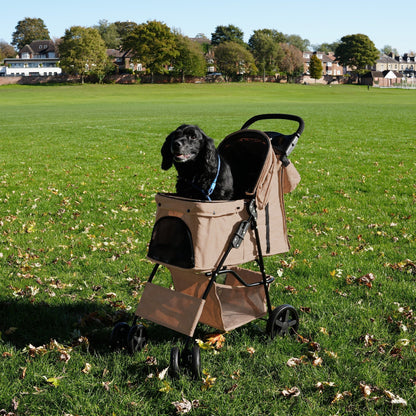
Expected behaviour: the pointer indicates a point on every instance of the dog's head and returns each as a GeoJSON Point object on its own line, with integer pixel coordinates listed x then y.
{"type": "Point", "coordinates": [183, 145]}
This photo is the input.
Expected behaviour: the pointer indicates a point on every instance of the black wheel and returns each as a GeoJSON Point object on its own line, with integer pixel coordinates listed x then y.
{"type": "Point", "coordinates": [136, 338]}
{"type": "Point", "coordinates": [119, 335]}
{"type": "Point", "coordinates": [196, 362]}
{"type": "Point", "coordinates": [282, 321]}
{"type": "Point", "coordinates": [174, 369]}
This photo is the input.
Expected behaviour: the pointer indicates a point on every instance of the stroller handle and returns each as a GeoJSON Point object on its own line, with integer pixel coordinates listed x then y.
{"type": "Point", "coordinates": [283, 144]}
{"type": "Point", "coordinates": [291, 117]}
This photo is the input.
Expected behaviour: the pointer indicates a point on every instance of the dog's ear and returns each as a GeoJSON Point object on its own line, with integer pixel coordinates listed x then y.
{"type": "Point", "coordinates": [167, 157]}
{"type": "Point", "coordinates": [210, 151]}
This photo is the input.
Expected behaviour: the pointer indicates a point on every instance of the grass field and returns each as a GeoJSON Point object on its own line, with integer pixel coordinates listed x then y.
{"type": "Point", "coordinates": [79, 168]}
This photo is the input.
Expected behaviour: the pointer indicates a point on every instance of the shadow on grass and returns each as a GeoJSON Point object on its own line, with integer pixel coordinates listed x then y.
{"type": "Point", "coordinates": [23, 322]}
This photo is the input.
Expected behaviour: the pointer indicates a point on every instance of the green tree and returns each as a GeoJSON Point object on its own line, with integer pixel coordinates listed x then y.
{"type": "Point", "coordinates": [298, 42]}
{"type": "Point", "coordinates": [266, 51]}
{"type": "Point", "coordinates": [228, 33]}
{"type": "Point", "coordinates": [292, 62]}
{"type": "Point", "coordinates": [109, 33]}
{"type": "Point", "coordinates": [190, 59]}
{"type": "Point", "coordinates": [357, 52]}
{"type": "Point", "coordinates": [124, 29]}
{"type": "Point", "coordinates": [28, 30]}
{"type": "Point", "coordinates": [234, 60]}
{"type": "Point", "coordinates": [6, 51]}
{"type": "Point", "coordinates": [315, 67]}
{"type": "Point", "coordinates": [153, 45]}
{"type": "Point", "coordinates": [82, 51]}
{"type": "Point", "coordinates": [325, 47]}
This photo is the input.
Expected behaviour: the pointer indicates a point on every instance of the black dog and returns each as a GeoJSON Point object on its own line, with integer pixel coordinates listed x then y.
{"type": "Point", "coordinates": [202, 172]}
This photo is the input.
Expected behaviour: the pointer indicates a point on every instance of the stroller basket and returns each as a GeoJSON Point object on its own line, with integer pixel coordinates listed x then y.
{"type": "Point", "coordinates": [226, 307]}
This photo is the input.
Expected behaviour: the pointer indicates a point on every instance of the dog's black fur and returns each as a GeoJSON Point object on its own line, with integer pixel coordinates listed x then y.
{"type": "Point", "coordinates": [195, 158]}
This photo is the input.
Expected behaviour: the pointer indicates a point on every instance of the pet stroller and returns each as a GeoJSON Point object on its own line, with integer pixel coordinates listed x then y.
{"type": "Point", "coordinates": [203, 242]}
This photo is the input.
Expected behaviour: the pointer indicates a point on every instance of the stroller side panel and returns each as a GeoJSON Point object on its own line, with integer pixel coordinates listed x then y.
{"type": "Point", "coordinates": [171, 309]}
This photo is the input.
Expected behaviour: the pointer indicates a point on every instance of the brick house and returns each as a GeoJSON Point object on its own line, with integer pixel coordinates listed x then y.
{"type": "Point", "coordinates": [331, 70]}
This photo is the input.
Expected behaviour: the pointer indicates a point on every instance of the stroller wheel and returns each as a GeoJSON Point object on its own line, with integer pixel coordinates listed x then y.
{"type": "Point", "coordinates": [119, 335]}
{"type": "Point", "coordinates": [136, 338]}
{"type": "Point", "coordinates": [174, 369]}
{"type": "Point", "coordinates": [196, 362]}
{"type": "Point", "coordinates": [282, 321]}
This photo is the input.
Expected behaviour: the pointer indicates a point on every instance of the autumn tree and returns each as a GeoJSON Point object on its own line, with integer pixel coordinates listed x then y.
{"type": "Point", "coordinates": [190, 59]}
{"type": "Point", "coordinates": [265, 47]}
{"type": "Point", "coordinates": [234, 60]}
{"type": "Point", "coordinates": [228, 33]}
{"type": "Point", "coordinates": [6, 51]}
{"type": "Point", "coordinates": [292, 62]}
{"type": "Point", "coordinates": [357, 52]}
{"type": "Point", "coordinates": [83, 51]}
{"type": "Point", "coordinates": [153, 45]}
{"type": "Point", "coordinates": [315, 67]}
{"type": "Point", "coordinates": [28, 30]}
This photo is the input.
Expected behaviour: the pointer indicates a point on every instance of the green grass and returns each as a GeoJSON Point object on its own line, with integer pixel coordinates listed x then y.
{"type": "Point", "coordinates": [79, 168]}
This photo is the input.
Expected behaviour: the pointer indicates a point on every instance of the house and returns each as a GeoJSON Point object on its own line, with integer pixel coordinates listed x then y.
{"type": "Point", "coordinates": [331, 69]}
{"type": "Point", "coordinates": [407, 64]}
{"type": "Point", "coordinates": [123, 60]}
{"type": "Point", "coordinates": [37, 59]}
{"type": "Point", "coordinates": [386, 78]}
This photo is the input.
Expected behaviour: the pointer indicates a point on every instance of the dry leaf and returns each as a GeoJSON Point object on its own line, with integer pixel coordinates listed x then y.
{"type": "Point", "coordinates": [292, 392]}
{"type": "Point", "coordinates": [87, 368]}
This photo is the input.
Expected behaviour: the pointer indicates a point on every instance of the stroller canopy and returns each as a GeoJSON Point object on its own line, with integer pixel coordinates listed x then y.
{"type": "Point", "coordinates": [253, 163]}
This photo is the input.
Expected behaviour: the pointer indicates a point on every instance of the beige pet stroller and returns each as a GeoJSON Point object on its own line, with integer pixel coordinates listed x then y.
{"type": "Point", "coordinates": [203, 242]}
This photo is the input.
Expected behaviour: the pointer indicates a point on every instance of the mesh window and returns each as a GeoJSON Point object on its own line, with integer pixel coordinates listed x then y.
{"type": "Point", "coordinates": [171, 243]}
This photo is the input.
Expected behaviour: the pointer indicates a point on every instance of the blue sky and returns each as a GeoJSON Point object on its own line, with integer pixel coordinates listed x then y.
{"type": "Point", "coordinates": [384, 22]}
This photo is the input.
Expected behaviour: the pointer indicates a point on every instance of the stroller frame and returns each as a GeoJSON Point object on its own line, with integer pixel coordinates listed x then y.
{"type": "Point", "coordinates": [281, 320]}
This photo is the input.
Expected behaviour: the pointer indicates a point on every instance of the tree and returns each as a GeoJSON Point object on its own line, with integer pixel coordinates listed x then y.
{"type": "Point", "coordinates": [124, 29]}
{"type": "Point", "coordinates": [153, 44]}
{"type": "Point", "coordinates": [28, 30]}
{"type": "Point", "coordinates": [266, 51]}
{"type": "Point", "coordinates": [234, 60]}
{"type": "Point", "coordinates": [109, 33]}
{"type": "Point", "coordinates": [356, 51]}
{"type": "Point", "coordinates": [325, 47]}
{"type": "Point", "coordinates": [388, 49]}
{"type": "Point", "coordinates": [82, 51]}
{"type": "Point", "coordinates": [298, 42]}
{"type": "Point", "coordinates": [292, 61]}
{"type": "Point", "coordinates": [315, 67]}
{"type": "Point", "coordinates": [6, 51]}
{"type": "Point", "coordinates": [190, 59]}
{"type": "Point", "coordinates": [228, 33]}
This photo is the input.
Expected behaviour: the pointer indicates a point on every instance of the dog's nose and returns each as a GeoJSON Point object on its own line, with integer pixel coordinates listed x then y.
{"type": "Point", "coordinates": [176, 145]}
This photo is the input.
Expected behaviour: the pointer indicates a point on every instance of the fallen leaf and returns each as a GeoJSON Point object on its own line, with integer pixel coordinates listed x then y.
{"type": "Point", "coordinates": [251, 350]}
{"type": "Point", "coordinates": [161, 375]}
{"type": "Point", "coordinates": [166, 387]}
{"type": "Point", "coordinates": [292, 392]}
{"type": "Point", "coordinates": [87, 368]}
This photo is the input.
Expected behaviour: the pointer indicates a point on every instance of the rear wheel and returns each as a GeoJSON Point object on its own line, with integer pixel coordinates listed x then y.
{"type": "Point", "coordinates": [119, 335]}
{"type": "Point", "coordinates": [136, 338]}
{"type": "Point", "coordinates": [282, 321]}
{"type": "Point", "coordinates": [196, 362]}
{"type": "Point", "coordinates": [174, 369]}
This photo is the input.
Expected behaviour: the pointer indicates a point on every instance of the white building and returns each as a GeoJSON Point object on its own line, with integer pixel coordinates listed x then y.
{"type": "Point", "coordinates": [37, 59]}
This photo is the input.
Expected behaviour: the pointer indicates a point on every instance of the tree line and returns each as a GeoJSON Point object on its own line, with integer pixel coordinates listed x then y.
{"type": "Point", "coordinates": [83, 50]}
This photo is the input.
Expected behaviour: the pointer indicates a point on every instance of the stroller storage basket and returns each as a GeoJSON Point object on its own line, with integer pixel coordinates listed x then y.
{"type": "Point", "coordinates": [228, 305]}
